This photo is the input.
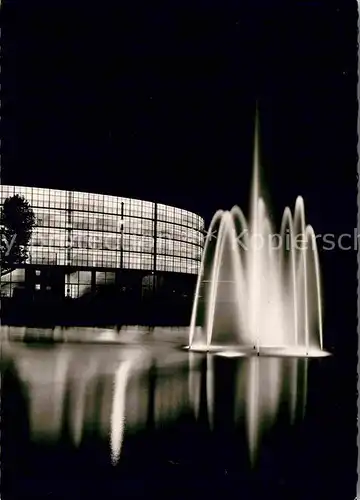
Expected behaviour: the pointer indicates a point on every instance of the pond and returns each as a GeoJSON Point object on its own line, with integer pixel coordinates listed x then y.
{"type": "Point", "coordinates": [148, 419]}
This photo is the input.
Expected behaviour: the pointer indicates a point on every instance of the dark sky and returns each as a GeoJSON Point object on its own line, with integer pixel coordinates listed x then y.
{"type": "Point", "coordinates": [156, 100]}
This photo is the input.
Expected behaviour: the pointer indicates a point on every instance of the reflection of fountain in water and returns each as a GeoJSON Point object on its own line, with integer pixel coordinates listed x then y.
{"type": "Point", "coordinates": [194, 383]}
{"type": "Point", "coordinates": [268, 379]}
{"type": "Point", "coordinates": [268, 294]}
{"type": "Point", "coordinates": [259, 384]}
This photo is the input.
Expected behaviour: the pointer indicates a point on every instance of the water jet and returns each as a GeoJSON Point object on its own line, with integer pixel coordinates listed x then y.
{"type": "Point", "coordinates": [272, 293]}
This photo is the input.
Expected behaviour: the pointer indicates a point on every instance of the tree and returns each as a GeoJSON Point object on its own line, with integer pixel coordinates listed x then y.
{"type": "Point", "coordinates": [17, 221]}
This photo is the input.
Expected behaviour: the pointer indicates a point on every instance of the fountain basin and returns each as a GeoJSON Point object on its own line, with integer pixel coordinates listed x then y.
{"type": "Point", "coordinates": [231, 351]}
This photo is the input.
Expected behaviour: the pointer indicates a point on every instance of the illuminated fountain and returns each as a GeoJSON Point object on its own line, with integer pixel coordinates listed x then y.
{"type": "Point", "coordinates": [269, 284]}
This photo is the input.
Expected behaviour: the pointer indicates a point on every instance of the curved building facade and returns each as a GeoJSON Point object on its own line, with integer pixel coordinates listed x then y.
{"type": "Point", "coordinates": [87, 233]}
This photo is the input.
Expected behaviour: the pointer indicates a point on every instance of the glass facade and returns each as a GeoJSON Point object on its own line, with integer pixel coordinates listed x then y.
{"type": "Point", "coordinates": [86, 230]}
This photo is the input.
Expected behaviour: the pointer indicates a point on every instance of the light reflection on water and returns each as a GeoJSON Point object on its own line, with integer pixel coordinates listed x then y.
{"type": "Point", "coordinates": [117, 390]}
{"type": "Point", "coordinates": [138, 417]}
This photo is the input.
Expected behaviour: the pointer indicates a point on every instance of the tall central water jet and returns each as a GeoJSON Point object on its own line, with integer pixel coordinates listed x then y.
{"type": "Point", "coordinates": [267, 284]}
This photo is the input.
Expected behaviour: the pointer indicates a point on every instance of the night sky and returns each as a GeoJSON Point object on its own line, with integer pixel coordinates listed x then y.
{"type": "Point", "coordinates": [156, 100]}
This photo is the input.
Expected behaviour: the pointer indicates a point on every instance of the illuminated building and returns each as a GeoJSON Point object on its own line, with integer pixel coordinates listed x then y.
{"type": "Point", "coordinates": [83, 240]}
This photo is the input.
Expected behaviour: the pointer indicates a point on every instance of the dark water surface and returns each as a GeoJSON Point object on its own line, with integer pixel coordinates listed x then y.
{"type": "Point", "coordinates": [147, 419]}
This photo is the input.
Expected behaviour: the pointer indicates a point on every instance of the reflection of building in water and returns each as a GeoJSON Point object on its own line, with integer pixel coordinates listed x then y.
{"type": "Point", "coordinates": [137, 401]}
{"type": "Point", "coordinates": [80, 391]}
{"type": "Point", "coordinates": [118, 409]}
{"type": "Point", "coordinates": [87, 395]}
{"type": "Point", "coordinates": [145, 400]}
{"type": "Point", "coordinates": [171, 396]}
{"type": "Point", "coordinates": [69, 387]}
{"type": "Point", "coordinates": [45, 377]}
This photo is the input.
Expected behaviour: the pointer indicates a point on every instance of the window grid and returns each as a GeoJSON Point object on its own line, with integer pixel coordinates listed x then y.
{"type": "Point", "coordinates": [11, 281]}
{"type": "Point", "coordinates": [100, 237]}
